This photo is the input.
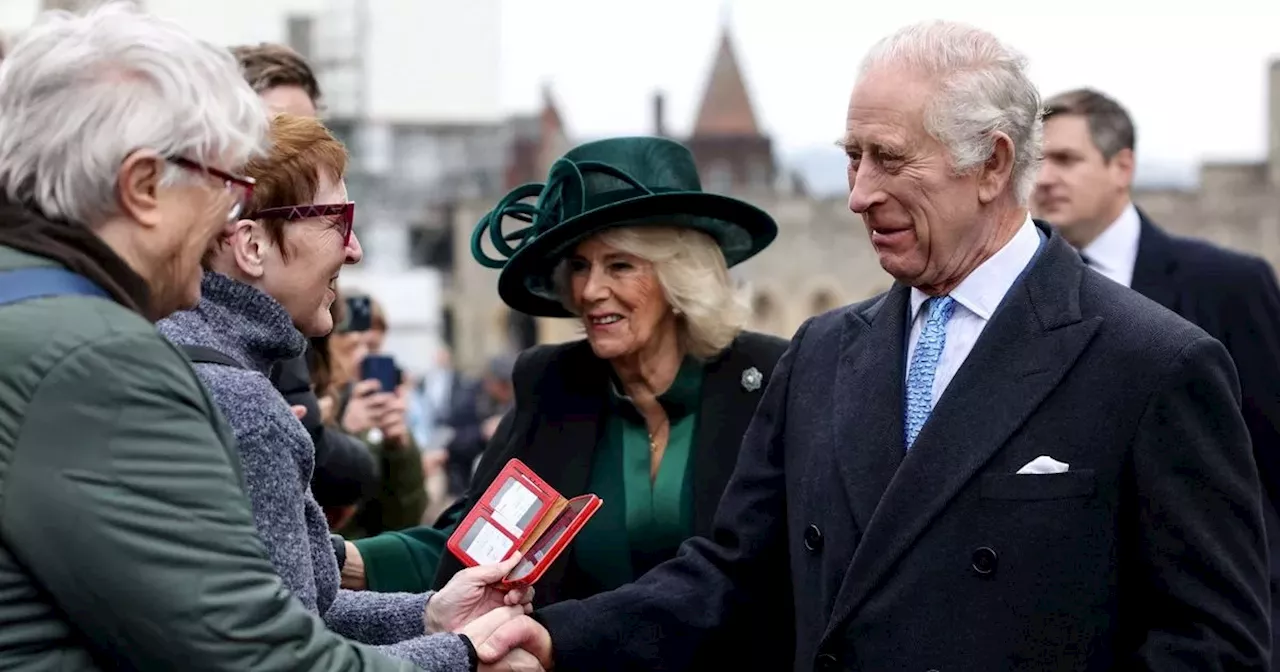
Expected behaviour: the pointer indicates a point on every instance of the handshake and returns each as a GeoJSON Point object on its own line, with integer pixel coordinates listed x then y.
{"type": "Point", "coordinates": [495, 619]}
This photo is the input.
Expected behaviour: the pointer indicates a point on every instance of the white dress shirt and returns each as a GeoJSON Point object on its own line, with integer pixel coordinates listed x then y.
{"type": "Point", "coordinates": [977, 298]}
{"type": "Point", "coordinates": [1115, 252]}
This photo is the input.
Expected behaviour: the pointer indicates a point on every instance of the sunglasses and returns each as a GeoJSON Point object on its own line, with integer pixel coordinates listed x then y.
{"type": "Point", "coordinates": [345, 212]}
{"type": "Point", "coordinates": [240, 187]}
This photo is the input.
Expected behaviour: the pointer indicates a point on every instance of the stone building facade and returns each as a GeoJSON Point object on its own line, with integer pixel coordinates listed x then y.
{"type": "Point", "coordinates": [822, 258]}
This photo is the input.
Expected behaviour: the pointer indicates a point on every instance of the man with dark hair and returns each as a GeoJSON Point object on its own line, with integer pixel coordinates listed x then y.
{"type": "Point", "coordinates": [281, 76]}
{"type": "Point", "coordinates": [1084, 191]}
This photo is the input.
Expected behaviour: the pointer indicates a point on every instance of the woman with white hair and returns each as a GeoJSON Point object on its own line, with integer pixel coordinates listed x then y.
{"type": "Point", "coordinates": [648, 411]}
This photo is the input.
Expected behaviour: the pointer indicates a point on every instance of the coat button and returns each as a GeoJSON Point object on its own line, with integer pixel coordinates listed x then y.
{"type": "Point", "coordinates": [984, 561]}
{"type": "Point", "coordinates": [827, 662]}
{"type": "Point", "coordinates": [813, 539]}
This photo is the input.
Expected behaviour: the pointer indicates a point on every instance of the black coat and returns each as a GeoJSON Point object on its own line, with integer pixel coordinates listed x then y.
{"type": "Point", "coordinates": [560, 413]}
{"type": "Point", "coordinates": [1148, 554]}
{"type": "Point", "coordinates": [345, 471]}
{"type": "Point", "coordinates": [1235, 299]}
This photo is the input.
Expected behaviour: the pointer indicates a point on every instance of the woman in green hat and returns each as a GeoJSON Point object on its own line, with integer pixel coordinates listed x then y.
{"type": "Point", "coordinates": [647, 411]}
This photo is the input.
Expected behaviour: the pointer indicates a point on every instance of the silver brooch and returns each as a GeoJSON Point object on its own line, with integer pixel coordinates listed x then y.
{"type": "Point", "coordinates": [751, 379]}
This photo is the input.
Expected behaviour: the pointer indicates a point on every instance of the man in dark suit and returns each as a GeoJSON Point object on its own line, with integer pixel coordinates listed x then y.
{"type": "Point", "coordinates": [1084, 191]}
{"type": "Point", "coordinates": [1004, 462]}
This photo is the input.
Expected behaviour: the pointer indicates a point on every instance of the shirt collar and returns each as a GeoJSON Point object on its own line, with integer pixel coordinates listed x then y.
{"type": "Point", "coordinates": [1114, 252]}
{"type": "Point", "coordinates": [681, 399]}
{"type": "Point", "coordinates": [984, 288]}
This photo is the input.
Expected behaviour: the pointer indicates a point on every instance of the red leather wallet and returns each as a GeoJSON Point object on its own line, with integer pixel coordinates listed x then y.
{"type": "Point", "coordinates": [520, 512]}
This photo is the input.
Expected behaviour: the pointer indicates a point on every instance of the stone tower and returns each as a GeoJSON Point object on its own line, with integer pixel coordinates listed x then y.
{"type": "Point", "coordinates": [731, 152]}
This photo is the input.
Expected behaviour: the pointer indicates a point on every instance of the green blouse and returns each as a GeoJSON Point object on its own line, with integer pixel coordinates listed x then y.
{"type": "Point", "coordinates": [642, 523]}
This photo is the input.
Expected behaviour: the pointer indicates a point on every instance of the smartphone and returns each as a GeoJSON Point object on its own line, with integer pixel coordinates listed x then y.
{"type": "Point", "coordinates": [382, 369]}
{"type": "Point", "coordinates": [359, 314]}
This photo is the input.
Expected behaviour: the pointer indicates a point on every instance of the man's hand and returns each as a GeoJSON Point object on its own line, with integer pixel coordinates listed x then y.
{"type": "Point", "coordinates": [480, 629]}
{"type": "Point", "coordinates": [516, 661]}
{"type": "Point", "coordinates": [511, 634]}
{"type": "Point", "coordinates": [473, 593]}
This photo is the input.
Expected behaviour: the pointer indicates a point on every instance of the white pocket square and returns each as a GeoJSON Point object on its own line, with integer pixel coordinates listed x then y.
{"type": "Point", "coordinates": [1044, 465]}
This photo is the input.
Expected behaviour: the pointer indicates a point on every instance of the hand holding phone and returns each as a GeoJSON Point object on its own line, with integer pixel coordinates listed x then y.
{"type": "Point", "coordinates": [383, 369]}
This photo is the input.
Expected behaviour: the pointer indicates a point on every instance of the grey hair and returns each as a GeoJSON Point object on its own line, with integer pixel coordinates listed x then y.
{"type": "Point", "coordinates": [78, 94]}
{"type": "Point", "coordinates": [695, 281]}
{"type": "Point", "coordinates": [983, 88]}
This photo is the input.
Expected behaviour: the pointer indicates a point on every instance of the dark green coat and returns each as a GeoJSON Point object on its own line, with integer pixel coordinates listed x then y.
{"type": "Point", "coordinates": [126, 540]}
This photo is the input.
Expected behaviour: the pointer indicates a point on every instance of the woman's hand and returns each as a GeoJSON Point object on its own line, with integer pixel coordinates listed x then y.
{"type": "Point", "coordinates": [473, 593]}
{"type": "Point", "coordinates": [365, 407]}
{"type": "Point", "coordinates": [392, 421]}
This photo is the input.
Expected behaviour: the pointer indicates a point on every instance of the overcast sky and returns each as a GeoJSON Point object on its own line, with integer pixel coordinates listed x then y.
{"type": "Point", "coordinates": [1194, 82]}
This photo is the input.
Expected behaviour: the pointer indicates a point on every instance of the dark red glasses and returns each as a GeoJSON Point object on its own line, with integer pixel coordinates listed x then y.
{"type": "Point", "coordinates": [345, 212]}
{"type": "Point", "coordinates": [241, 187]}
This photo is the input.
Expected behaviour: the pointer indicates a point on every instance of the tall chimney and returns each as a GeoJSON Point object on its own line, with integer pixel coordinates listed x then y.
{"type": "Point", "coordinates": [659, 114]}
{"type": "Point", "coordinates": [1273, 122]}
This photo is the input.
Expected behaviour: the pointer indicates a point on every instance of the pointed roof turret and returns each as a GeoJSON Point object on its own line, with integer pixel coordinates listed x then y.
{"type": "Point", "coordinates": [726, 106]}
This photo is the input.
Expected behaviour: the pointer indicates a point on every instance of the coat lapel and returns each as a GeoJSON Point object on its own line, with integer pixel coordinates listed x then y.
{"type": "Point", "coordinates": [726, 410]}
{"type": "Point", "coordinates": [1155, 265]}
{"type": "Point", "coordinates": [565, 438]}
{"type": "Point", "coordinates": [870, 376]}
{"type": "Point", "coordinates": [1033, 339]}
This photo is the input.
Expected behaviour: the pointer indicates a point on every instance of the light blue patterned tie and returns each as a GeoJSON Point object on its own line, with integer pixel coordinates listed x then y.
{"type": "Point", "coordinates": [924, 363]}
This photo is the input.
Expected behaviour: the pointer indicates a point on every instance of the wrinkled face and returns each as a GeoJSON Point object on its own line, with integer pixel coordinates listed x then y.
{"type": "Point", "coordinates": [618, 295]}
{"type": "Point", "coordinates": [289, 99]}
{"type": "Point", "coordinates": [922, 218]}
{"type": "Point", "coordinates": [1077, 186]}
{"type": "Point", "coordinates": [191, 213]}
{"type": "Point", "coordinates": [303, 276]}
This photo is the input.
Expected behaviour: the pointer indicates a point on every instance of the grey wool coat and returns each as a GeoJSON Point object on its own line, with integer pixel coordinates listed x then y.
{"type": "Point", "coordinates": [278, 457]}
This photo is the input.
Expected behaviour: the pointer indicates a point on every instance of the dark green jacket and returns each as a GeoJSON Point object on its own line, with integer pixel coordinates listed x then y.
{"type": "Point", "coordinates": [406, 561]}
{"type": "Point", "coordinates": [126, 540]}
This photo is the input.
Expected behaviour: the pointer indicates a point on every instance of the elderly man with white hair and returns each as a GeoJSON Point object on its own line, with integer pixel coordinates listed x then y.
{"type": "Point", "coordinates": [1005, 462]}
{"type": "Point", "coordinates": [126, 539]}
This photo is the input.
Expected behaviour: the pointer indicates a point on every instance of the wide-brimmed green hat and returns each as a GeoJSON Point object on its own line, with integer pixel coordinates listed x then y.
{"type": "Point", "coordinates": [606, 184]}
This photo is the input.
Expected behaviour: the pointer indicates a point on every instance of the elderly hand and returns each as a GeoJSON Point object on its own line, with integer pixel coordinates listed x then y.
{"type": "Point", "coordinates": [473, 593]}
{"type": "Point", "coordinates": [482, 628]}
{"type": "Point", "coordinates": [510, 635]}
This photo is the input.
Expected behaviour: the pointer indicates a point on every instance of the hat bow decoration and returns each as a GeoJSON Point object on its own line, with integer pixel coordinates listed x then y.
{"type": "Point", "coordinates": [562, 197]}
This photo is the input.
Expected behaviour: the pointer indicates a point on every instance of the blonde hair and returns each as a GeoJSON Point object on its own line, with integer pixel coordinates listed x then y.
{"type": "Point", "coordinates": [695, 281]}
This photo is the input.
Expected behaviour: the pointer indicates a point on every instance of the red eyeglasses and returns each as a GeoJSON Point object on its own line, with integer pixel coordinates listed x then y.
{"type": "Point", "coordinates": [241, 187]}
{"type": "Point", "coordinates": [345, 212]}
